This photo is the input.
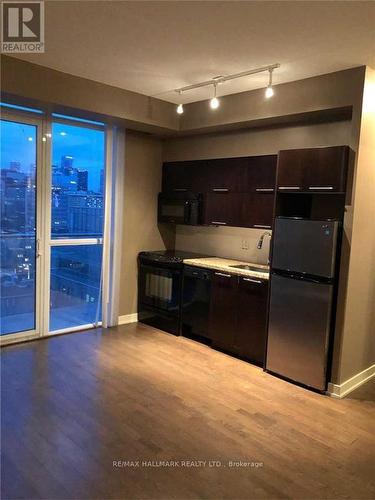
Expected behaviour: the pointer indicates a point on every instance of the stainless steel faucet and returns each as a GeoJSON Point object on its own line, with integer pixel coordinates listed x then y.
{"type": "Point", "coordinates": [260, 242]}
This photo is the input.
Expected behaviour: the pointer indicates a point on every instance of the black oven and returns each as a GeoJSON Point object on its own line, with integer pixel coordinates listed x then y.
{"type": "Point", "coordinates": [160, 288]}
{"type": "Point", "coordinates": [180, 208]}
{"type": "Point", "coordinates": [159, 293]}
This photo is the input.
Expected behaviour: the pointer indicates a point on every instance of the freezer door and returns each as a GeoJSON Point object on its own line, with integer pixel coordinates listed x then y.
{"type": "Point", "coordinates": [298, 331]}
{"type": "Point", "coordinates": [305, 246]}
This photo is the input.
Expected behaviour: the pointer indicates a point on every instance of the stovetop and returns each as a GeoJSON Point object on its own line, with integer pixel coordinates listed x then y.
{"type": "Point", "coordinates": [169, 256]}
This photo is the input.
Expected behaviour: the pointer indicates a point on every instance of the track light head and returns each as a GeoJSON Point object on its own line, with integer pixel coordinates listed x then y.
{"type": "Point", "coordinates": [180, 107]}
{"type": "Point", "coordinates": [269, 90]}
{"type": "Point", "coordinates": [214, 102]}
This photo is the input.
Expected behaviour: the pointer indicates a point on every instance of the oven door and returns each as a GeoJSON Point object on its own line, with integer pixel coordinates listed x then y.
{"type": "Point", "coordinates": [160, 288]}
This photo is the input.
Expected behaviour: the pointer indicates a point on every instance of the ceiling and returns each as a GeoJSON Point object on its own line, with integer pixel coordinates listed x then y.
{"type": "Point", "coordinates": [153, 47]}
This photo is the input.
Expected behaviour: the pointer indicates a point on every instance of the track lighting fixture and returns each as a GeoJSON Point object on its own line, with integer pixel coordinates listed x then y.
{"type": "Point", "coordinates": [180, 107]}
{"type": "Point", "coordinates": [214, 103]}
{"type": "Point", "coordinates": [269, 89]}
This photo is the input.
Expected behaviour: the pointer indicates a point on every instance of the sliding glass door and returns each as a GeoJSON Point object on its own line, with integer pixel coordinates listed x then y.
{"type": "Point", "coordinates": [20, 230]}
{"type": "Point", "coordinates": [77, 223]}
{"type": "Point", "coordinates": [52, 223]}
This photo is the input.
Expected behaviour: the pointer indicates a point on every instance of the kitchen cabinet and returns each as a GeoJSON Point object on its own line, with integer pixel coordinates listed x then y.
{"type": "Point", "coordinates": [236, 191]}
{"type": "Point", "coordinates": [250, 333]}
{"type": "Point", "coordinates": [225, 175]}
{"type": "Point", "coordinates": [223, 307]}
{"type": "Point", "coordinates": [222, 209]}
{"type": "Point", "coordinates": [257, 210]}
{"type": "Point", "coordinates": [238, 315]}
{"type": "Point", "coordinates": [314, 170]}
{"type": "Point", "coordinates": [181, 176]}
{"type": "Point", "coordinates": [260, 174]}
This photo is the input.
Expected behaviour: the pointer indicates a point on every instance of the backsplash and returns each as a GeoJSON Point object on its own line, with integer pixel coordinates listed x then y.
{"type": "Point", "coordinates": [224, 242]}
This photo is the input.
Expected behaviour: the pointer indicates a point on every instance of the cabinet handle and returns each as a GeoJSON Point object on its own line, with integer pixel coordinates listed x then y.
{"type": "Point", "coordinates": [321, 187]}
{"type": "Point", "coordinates": [217, 223]}
{"type": "Point", "coordinates": [252, 281]}
{"type": "Point", "coordinates": [223, 275]}
{"type": "Point", "coordinates": [262, 226]}
{"type": "Point", "coordinates": [220, 190]}
{"type": "Point", "coordinates": [180, 189]}
{"type": "Point", "coordinates": [289, 187]}
{"type": "Point", "coordinates": [265, 190]}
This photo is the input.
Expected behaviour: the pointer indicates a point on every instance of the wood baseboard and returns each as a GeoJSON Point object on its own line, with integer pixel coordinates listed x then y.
{"type": "Point", "coordinates": [128, 318]}
{"type": "Point", "coordinates": [342, 390]}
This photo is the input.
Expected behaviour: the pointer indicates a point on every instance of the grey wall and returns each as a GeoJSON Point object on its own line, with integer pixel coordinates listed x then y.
{"type": "Point", "coordinates": [143, 161]}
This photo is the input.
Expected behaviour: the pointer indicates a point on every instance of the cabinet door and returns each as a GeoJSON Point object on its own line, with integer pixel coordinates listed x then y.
{"type": "Point", "coordinates": [290, 171]}
{"type": "Point", "coordinates": [183, 176]}
{"type": "Point", "coordinates": [313, 170]}
{"type": "Point", "coordinates": [325, 169]}
{"type": "Point", "coordinates": [222, 209]}
{"type": "Point", "coordinates": [261, 174]}
{"type": "Point", "coordinates": [223, 310]}
{"type": "Point", "coordinates": [257, 210]}
{"type": "Point", "coordinates": [225, 175]}
{"type": "Point", "coordinates": [250, 337]}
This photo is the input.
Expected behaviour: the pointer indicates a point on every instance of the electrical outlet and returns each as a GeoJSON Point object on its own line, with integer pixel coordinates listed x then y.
{"type": "Point", "coordinates": [245, 245]}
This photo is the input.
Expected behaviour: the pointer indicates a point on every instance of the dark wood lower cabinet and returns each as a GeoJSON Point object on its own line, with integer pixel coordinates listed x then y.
{"type": "Point", "coordinates": [250, 336]}
{"type": "Point", "coordinates": [238, 315]}
{"type": "Point", "coordinates": [223, 315]}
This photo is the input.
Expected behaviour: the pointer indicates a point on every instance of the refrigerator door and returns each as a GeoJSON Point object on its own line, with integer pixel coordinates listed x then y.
{"type": "Point", "coordinates": [305, 246]}
{"type": "Point", "coordinates": [298, 330]}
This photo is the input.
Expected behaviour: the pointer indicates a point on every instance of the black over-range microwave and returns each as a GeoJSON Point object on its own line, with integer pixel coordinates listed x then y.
{"type": "Point", "coordinates": [180, 208]}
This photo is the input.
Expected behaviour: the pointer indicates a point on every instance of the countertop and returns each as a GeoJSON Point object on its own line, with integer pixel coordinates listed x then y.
{"type": "Point", "coordinates": [219, 264]}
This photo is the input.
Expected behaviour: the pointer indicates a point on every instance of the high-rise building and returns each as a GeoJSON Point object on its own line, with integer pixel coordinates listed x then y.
{"type": "Point", "coordinates": [67, 164]}
{"type": "Point", "coordinates": [82, 180]}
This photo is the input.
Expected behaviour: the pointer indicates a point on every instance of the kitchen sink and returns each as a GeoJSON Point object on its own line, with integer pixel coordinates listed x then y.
{"type": "Point", "coordinates": [246, 267]}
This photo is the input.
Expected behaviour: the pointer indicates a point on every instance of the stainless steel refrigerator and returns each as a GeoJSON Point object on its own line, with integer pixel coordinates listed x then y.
{"type": "Point", "coordinates": [301, 299]}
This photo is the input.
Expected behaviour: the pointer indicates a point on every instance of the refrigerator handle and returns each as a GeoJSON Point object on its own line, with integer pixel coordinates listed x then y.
{"type": "Point", "coordinates": [301, 278]}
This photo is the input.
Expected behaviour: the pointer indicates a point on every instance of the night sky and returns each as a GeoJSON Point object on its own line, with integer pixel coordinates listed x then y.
{"type": "Point", "coordinates": [85, 145]}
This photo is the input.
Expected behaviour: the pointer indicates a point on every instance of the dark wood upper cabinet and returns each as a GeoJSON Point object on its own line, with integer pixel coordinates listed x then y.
{"type": "Point", "coordinates": [183, 176]}
{"type": "Point", "coordinates": [223, 307]}
{"type": "Point", "coordinates": [222, 209]}
{"type": "Point", "coordinates": [250, 333]}
{"type": "Point", "coordinates": [241, 191]}
{"type": "Point", "coordinates": [260, 174]}
{"type": "Point", "coordinates": [313, 170]}
{"type": "Point", "coordinates": [257, 210]}
{"type": "Point", "coordinates": [225, 175]}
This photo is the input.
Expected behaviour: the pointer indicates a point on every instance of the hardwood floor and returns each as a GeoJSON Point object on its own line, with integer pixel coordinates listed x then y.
{"type": "Point", "coordinates": [74, 404]}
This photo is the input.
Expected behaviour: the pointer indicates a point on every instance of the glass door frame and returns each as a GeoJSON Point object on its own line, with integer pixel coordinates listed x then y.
{"type": "Point", "coordinates": [49, 241]}
{"type": "Point", "coordinates": [37, 121]}
{"type": "Point", "coordinates": [112, 230]}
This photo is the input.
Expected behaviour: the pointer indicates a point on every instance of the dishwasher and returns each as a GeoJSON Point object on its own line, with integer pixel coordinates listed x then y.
{"type": "Point", "coordinates": [196, 291]}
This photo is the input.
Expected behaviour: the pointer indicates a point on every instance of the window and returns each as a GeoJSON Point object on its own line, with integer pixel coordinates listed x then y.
{"type": "Point", "coordinates": [18, 226]}
{"type": "Point", "coordinates": [75, 285]}
{"type": "Point", "coordinates": [77, 182]}
{"type": "Point", "coordinates": [77, 221]}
